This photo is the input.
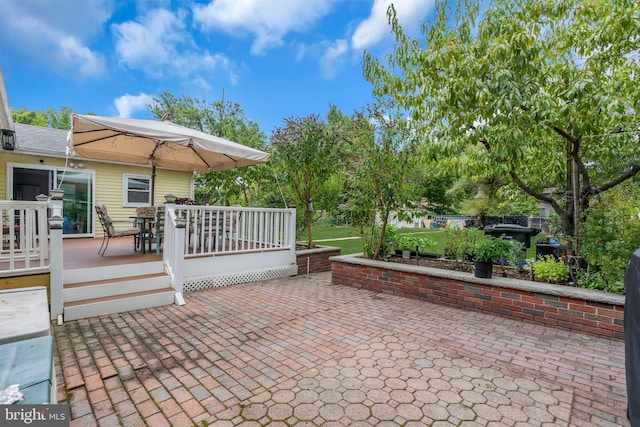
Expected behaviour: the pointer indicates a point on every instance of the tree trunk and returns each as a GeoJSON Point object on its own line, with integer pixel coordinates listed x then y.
{"type": "Point", "coordinates": [568, 228]}
{"type": "Point", "coordinates": [380, 237]}
{"type": "Point", "coordinates": [246, 196]}
{"type": "Point", "coordinates": [308, 218]}
{"type": "Point", "coordinates": [311, 244]}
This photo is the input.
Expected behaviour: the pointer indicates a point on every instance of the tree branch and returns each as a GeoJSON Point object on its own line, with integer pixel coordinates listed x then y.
{"type": "Point", "coordinates": [582, 169]}
{"type": "Point", "coordinates": [484, 142]}
{"type": "Point", "coordinates": [524, 187]}
{"type": "Point", "coordinates": [566, 135]}
{"type": "Point", "coordinates": [630, 174]}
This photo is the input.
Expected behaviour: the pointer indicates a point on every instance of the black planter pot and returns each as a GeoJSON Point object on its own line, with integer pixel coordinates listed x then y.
{"type": "Point", "coordinates": [483, 269]}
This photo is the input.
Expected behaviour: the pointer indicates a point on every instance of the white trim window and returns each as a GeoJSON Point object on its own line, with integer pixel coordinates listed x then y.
{"type": "Point", "coordinates": [136, 190]}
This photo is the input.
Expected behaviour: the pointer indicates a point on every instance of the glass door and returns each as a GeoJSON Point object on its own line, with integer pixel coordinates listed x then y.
{"type": "Point", "coordinates": [77, 204]}
{"type": "Point", "coordinates": [28, 181]}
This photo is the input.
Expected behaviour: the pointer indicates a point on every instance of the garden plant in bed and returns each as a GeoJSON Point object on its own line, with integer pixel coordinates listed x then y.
{"type": "Point", "coordinates": [462, 246]}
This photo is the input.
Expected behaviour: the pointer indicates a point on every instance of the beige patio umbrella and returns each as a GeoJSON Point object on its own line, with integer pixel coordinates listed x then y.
{"type": "Point", "coordinates": [157, 143]}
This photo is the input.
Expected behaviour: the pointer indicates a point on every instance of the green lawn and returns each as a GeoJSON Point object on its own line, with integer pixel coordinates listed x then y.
{"type": "Point", "coordinates": [348, 239]}
{"type": "Point", "coordinates": [332, 232]}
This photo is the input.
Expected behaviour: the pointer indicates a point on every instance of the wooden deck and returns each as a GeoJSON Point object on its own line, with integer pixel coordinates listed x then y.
{"type": "Point", "coordinates": [83, 253]}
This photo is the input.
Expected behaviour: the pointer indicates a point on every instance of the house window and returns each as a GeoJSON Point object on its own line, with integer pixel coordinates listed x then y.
{"type": "Point", "coordinates": [137, 190]}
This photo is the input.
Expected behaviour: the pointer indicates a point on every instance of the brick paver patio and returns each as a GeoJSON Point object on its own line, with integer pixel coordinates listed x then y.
{"type": "Point", "coordinates": [300, 351]}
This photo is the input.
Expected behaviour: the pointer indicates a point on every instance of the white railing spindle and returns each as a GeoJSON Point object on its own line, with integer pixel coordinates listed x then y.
{"type": "Point", "coordinates": [24, 236]}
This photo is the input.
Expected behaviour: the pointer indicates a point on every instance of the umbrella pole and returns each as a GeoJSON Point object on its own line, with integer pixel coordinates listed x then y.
{"type": "Point", "coordinates": [153, 184]}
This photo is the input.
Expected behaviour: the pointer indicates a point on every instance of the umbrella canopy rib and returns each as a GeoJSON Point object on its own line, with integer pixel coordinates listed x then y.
{"type": "Point", "coordinates": [158, 144]}
{"type": "Point", "coordinates": [235, 161]}
{"type": "Point", "coordinates": [102, 138]}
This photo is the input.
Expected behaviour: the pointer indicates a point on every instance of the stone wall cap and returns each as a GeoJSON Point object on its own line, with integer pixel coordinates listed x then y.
{"type": "Point", "coordinates": [591, 295]}
{"type": "Point", "coordinates": [317, 250]}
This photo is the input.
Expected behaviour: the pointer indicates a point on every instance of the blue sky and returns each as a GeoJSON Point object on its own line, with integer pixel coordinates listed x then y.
{"type": "Point", "coordinates": [276, 58]}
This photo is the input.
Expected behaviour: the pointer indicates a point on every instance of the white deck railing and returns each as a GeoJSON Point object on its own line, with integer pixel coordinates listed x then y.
{"type": "Point", "coordinates": [219, 230]}
{"type": "Point", "coordinates": [201, 244]}
{"type": "Point", "coordinates": [196, 234]}
{"type": "Point", "coordinates": [24, 236]}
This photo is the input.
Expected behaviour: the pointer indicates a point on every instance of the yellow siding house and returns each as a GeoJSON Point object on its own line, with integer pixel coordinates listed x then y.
{"type": "Point", "coordinates": [38, 162]}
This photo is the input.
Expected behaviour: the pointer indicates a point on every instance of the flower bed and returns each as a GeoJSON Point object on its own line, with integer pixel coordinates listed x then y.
{"type": "Point", "coordinates": [566, 307]}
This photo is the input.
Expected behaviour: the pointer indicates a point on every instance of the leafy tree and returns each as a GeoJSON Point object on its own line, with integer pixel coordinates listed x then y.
{"type": "Point", "coordinates": [226, 120]}
{"type": "Point", "coordinates": [59, 119]}
{"type": "Point", "coordinates": [331, 193]}
{"type": "Point", "coordinates": [438, 184]}
{"type": "Point", "coordinates": [24, 116]}
{"type": "Point", "coordinates": [383, 156]}
{"type": "Point", "coordinates": [492, 198]}
{"type": "Point", "coordinates": [611, 235]}
{"type": "Point", "coordinates": [306, 149]}
{"type": "Point", "coordinates": [49, 118]}
{"type": "Point", "coordinates": [543, 95]}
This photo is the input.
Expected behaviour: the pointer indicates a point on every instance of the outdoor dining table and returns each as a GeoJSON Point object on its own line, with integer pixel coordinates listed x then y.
{"type": "Point", "coordinates": [145, 222]}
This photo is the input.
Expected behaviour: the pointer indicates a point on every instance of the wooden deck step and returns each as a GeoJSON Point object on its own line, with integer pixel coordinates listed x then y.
{"type": "Point", "coordinates": [116, 294]}
{"type": "Point", "coordinates": [114, 280]}
{"type": "Point", "coordinates": [108, 272]}
{"type": "Point", "coordinates": [115, 286]}
{"type": "Point", "coordinates": [99, 306]}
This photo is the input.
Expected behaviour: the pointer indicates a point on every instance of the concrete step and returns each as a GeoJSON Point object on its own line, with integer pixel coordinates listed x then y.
{"type": "Point", "coordinates": [116, 286]}
{"type": "Point", "coordinates": [93, 307]}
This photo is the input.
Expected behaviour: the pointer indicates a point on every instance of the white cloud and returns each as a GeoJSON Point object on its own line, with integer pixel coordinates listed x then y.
{"type": "Point", "coordinates": [331, 58]}
{"type": "Point", "coordinates": [56, 33]}
{"type": "Point", "coordinates": [89, 64]}
{"type": "Point", "coordinates": [127, 104]}
{"type": "Point", "coordinates": [376, 27]}
{"type": "Point", "coordinates": [201, 83]}
{"type": "Point", "coordinates": [267, 20]}
{"type": "Point", "coordinates": [160, 45]}
{"type": "Point", "coordinates": [369, 32]}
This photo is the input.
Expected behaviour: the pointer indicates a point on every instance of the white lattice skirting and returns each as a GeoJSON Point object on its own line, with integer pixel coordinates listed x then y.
{"type": "Point", "coordinates": [206, 282]}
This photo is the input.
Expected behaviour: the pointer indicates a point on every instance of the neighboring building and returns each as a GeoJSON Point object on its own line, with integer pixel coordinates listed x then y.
{"type": "Point", "coordinates": [38, 162]}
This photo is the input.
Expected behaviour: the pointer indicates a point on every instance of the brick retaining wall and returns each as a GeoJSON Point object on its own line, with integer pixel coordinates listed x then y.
{"type": "Point", "coordinates": [566, 307]}
{"type": "Point", "coordinates": [316, 259]}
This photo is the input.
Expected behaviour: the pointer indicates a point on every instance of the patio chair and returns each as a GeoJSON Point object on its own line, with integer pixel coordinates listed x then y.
{"type": "Point", "coordinates": [146, 225]}
{"type": "Point", "coordinates": [226, 227]}
{"type": "Point", "coordinates": [231, 222]}
{"type": "Point", "coordinates": [110, 231]}
{"type": "Point", "coordinates": [6, 235]}
{"type": "Point", "coordinates": [146, 211]}
{"type": "Point", "coordinates": [6, 229]}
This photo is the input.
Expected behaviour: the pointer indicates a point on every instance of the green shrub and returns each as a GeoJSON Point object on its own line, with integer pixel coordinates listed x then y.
{"type": "Point", "coordinates": [458, 242]}
{"type": "Point", "coordinates": [411, 241]}
{"type": "Point", "coordinates": [496, 250]}
{"type": "Point", "coordinates": [515, 254]}
{"type": "Point", "coordinates": [610, 235]}
{"type": "Point", "coordinates": [395, 241]}
{"type": "Point", "coordinates": [596, 280]}
{"type": "Point", "coordinates": [389, 241]}
{"type": "Point", "coordinates": [369, 240]}
{"type": "Point", "coordinates": [548, 269]}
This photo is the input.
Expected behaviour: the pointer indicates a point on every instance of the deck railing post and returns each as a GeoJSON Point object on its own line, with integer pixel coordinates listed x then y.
{"type": "Point", "coordinates": [56, 268]}
{"type": "Point", "coordinates": [178, 267]}
{"type": "Point", "coordinates": [291, 238]}
{"type": "Point", "coordinates": [167, 244]}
